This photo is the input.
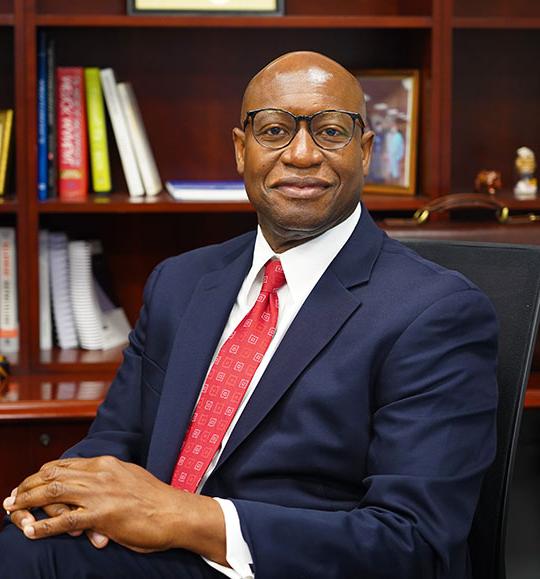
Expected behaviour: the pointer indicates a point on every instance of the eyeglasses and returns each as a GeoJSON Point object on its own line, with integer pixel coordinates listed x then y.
{"type": "Point", "coordinates": [276, 128]}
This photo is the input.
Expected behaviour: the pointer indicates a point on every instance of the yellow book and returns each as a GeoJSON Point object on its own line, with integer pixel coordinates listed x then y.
{"type": "Point", "coordinates": [6, 122]}
{"type": "Point", "coordinates": [97, 132]}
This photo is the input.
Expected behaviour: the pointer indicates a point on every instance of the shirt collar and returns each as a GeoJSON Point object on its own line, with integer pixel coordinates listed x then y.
{"type": "Point", "coordinates": [304, 264]}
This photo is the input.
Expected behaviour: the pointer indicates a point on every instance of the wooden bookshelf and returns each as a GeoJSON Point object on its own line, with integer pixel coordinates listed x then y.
{"type": "Point", "coordinates": [234, 22]}
{"type": "Point", "coordinates": [478, 103]}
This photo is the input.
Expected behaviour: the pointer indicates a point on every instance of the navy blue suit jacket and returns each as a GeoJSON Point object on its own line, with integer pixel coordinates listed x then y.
{"type": "Point", "coordinates": [362, 450]}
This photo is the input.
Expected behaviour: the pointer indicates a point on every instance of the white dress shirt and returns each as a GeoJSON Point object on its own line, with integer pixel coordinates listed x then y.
{"type": "Point", "coordinates": [303, 266]}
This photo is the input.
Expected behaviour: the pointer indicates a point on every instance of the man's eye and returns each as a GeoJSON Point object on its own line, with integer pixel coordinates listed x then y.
{"type": "Point", "coordinates": [274, 131]}
{"type": "Point", "coordinates": [331, 132]}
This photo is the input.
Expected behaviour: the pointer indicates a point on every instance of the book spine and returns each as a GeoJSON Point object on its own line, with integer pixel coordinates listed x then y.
{"type": "Point", "coordinates": [127, 156]}
{"type": "Point", "coordinates": [42, 118]}
{"type": "Point", "coordinates": [52, 175]}
{"type": "Point", "coordinates": [9, 325]}
{"type": "Point", "coordinates": [97, 132]}
{"type": "Point", "coordinates": [86, 311]}
{"type": "Point", "coordinates": [72, 148]}
{"type": "Point", "coordinates": [45, 318]}
{"type": "Point", "coordinates": [139, 139]}
{"type": "Point", "coordinates": [5, 147]}
{"type": "Point", "coordinates": [62, 310]}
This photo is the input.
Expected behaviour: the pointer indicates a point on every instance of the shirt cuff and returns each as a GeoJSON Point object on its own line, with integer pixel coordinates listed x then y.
{"type": "Point", "coordinates": [238, 554]}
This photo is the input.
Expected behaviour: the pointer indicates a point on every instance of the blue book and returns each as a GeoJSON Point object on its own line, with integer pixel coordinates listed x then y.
{"type": "Point", "coordinates": [43, 168]}
{"type": "Point", "coordinates": [52, 179]}
{"type": "Point", "coordinates": [207, 191]}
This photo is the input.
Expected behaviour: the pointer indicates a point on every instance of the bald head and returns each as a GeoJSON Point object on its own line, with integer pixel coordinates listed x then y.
{"type": "Point", "coordinates": [296, 73]}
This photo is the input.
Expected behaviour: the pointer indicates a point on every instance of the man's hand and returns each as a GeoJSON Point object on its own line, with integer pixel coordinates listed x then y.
{"type": "Point", "coordinates": [23, 518]}
{"type": "Point", "coordinates": [121, 501]}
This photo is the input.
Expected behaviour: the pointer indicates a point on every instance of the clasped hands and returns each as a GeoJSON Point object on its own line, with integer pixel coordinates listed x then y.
{"type": "Point", "coordinates": [111, 499]}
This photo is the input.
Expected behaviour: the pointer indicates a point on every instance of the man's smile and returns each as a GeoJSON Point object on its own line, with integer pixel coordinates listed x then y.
{"type": "Point", "coordinates": [301, 187]}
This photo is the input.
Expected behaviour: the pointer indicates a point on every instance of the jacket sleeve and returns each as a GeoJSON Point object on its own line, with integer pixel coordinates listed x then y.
{"type": "Point", "coordinates": [116, 429]}
{"type": "Point", "coordinates": [433, 437]}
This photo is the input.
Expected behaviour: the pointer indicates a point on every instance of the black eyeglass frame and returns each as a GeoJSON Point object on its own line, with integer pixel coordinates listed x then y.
{"type": "Point", "coordinates": [308, 118]}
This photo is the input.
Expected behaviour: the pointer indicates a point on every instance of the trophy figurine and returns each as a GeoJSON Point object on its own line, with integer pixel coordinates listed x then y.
{"type": "Point", "coordinates": [526, 187]}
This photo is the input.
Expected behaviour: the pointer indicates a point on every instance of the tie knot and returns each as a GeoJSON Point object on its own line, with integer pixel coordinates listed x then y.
{"type": "Point", "coordinates": [274, 277]}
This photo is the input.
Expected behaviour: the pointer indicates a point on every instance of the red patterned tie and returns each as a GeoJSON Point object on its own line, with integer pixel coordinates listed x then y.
{"type": "Point", "coordinates": [227, 382]}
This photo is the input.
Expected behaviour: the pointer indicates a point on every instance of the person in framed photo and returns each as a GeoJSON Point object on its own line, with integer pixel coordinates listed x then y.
{"type": "Point", "coordinates": [392, 111]}
{"type": "Point", "coordinates": [310, 399]}
{"type": "Point", "coordinates": [395, 152]}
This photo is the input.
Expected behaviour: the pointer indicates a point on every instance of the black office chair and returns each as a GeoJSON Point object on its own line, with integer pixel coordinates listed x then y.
{"type": "Point", "coordinates": [510, 276]}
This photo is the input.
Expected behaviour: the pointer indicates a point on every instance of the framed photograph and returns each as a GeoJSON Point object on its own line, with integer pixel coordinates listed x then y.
{"type": "Point", "coordinates": [200, 7]}
{"type": "Point", "coordinates": [392, 114]}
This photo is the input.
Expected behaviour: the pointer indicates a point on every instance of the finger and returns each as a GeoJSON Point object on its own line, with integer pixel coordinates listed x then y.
{"type": "Point", "coordinates": [22, 518]}
{"type": "Point", "coordinates": [69, 521]}
{"type": "Point", "coordinates": [47, 473]}
{"type": "Point", "coordinates": [13, 494]}
{"type": "Point", "coordinates": [63, 463]}
{"type": "Point", "coordinates": [93, 463]}
{"type": "Point", "coordinates": [46, 494]}
{"type": "Point", "coordinates": [56, 510]}
{"type": "Point", "coordinates": [97, 539]}
{"type": "Point", "coordinates": [64, 469]}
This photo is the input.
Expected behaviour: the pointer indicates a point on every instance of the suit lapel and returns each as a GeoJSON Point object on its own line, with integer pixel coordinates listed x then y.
{"type": "Point", "coordinates": [327, 308]}
{"type": "Point", "coordinates": [194, 344]}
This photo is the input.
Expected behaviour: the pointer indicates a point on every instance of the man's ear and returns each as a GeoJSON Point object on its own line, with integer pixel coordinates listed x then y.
{"type": "Point", "coordinates": [367, 146]}
{"type": "Point", "coordinates": [239, 140]}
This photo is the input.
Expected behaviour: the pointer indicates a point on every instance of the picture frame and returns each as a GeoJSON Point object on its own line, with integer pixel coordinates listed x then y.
{"type": "Point", "coordinates": [208, 7]}
{"type": "Point", "coordinates": [392, 114]}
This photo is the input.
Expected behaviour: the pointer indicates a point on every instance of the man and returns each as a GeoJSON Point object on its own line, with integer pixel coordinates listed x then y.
{"type": "Point", "coordinates": [350, 435]}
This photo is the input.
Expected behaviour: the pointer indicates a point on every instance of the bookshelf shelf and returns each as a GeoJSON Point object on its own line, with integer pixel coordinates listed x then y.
{"type": "Point", "coordinates": [7, 20]}
{"type": "Point", "coordinates": [8, 204]}
{"type": "Point", "coordinates": [77, 360]}
{"type": "Point", "coordinates": [123, 203]}
{"type": "Point", "coordinates": [163, 203]}
{"type": "Point", "coordinates": [322, 22]}
{"type": "Point", "coordinates": [54, 396]}
{"type": "Point", "coordinates": [496, 22]}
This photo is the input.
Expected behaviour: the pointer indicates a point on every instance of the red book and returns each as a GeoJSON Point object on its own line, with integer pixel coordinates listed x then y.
{"type": "Point", "coordinates": [72, 140]}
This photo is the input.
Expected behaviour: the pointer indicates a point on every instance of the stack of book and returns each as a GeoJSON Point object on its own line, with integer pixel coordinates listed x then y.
{"type": "Point", "coordinates": [72, 131]}
{"type": "Point", "coordinates": [72, 297]}
{"type": "Point", "coordinates": [9, 318]}
{"type": "Point", "coordinates": [6, 130]}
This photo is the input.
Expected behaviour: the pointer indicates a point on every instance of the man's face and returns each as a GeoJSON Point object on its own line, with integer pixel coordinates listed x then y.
{"type": "Point", "coordinates": [302, 190]}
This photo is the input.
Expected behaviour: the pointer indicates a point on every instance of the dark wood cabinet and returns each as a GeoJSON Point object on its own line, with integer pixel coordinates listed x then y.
{"type": "Point", "coordinates": [28, 444]}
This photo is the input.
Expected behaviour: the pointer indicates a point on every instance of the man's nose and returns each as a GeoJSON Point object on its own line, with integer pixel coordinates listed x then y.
{"type": "Point", "coordinates": [302, 150]}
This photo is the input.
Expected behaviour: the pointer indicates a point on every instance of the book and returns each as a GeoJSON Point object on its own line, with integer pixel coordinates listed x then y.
{"type": "Point", "coordinates": [123, 142]}
{"type": "Point", "coordinates": [139, 139]}
{"type": "Point", "coordinates": [83, 298]}
{"type": "Point", "coordinates": [42, 170]}
{"type": "Point", "coordinates": [207, 191]}
{"type": "Point", "coordinates": [45, 320]}
{"type": "Point", "coordinates": [100, 325]}
{"type": "Point", "coordinates": [64, 321]}
{"type": "Point", "coordinates": [9, 319]}
{"type": "Point", "coordinates": [72, 148]}
{"type": "Point", "coordinates": [97, 132]}
{"type": "Point", "coordinates": [52, 173]}
{"type": "Point", "coordinates": [6, 132]}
